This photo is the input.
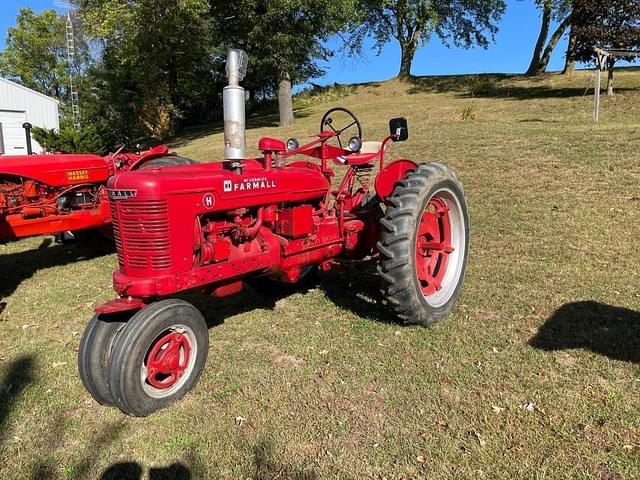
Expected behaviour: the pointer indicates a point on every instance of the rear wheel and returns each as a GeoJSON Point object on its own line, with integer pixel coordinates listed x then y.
{"type": "Point", "coordinates": [94, 354]}
{"type": "Point", "coordinates": [167, 161]}
{"type": "Point", "coordinates": [424, 244]}
{"type": "Point", "coordinates": [159, 357]}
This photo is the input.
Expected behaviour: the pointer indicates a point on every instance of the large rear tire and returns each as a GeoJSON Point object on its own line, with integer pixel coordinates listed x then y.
{"type": "Point", "coordinates": [424, 244]}
{"type": "Point", "coordinates": [94, 354]}
{"type": "Point", "coordinates": [158, 357]}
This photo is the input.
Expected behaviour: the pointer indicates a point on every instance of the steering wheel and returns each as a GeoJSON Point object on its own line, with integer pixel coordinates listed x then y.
{"type": "Point", "coordinates": [352, 121]}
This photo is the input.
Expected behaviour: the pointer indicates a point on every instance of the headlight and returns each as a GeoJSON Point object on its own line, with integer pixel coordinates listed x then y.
{"type": "Point", "coordinates": [355, 144]}
{"type": "Point", "coordinates": [292, 144]}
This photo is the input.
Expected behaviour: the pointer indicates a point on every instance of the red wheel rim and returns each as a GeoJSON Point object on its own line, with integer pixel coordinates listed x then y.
{"type": "Point", "coordinates": [433, 246]}
{"type": "Point", "coordinates": [167, 360]}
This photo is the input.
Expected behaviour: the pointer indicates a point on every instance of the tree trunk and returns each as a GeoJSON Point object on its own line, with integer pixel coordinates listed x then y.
{"type": "Point", "coordinates": [570, 62]}
{"type": "Point", "coordinates": [408, 52]}
{"type": "Point", "coordinates": [542, 38]}
{"type": "Point", "coordinates": [285, 100]}
{"type": "Point", "coordinates": [610, 64]}
{"type": "Point", "coordinates": [553, 43]}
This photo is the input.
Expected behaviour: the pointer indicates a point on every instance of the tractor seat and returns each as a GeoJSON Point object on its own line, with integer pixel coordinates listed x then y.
{"type": "Point", "coordinates": [371, 147]}
{"type": "Point", "coordinates": [369, 153]}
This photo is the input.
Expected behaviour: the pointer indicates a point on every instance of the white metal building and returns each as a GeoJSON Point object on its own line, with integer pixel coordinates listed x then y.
{"type": "Point", "coordinates": [18, 105]}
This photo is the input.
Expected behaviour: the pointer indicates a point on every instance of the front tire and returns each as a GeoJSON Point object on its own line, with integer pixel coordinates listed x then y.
{"type": "Point", "coordinates": [424, 245]}
{"type": "Point", "coordinates": [94, 355]}
{"type": "Point", "coordinates": [158, 357]}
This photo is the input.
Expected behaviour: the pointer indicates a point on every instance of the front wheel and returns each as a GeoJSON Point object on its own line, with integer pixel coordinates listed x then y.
{"type": "Point", "coordinates": [424, 244]}
{"type": "Point", "coordinates": [94, 355]}
{"type": "Point", "coordinates": [158, 357]}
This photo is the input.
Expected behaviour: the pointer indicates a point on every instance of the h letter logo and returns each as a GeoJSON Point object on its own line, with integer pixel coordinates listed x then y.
{"type": "Point", "coordinates": [208, 201]}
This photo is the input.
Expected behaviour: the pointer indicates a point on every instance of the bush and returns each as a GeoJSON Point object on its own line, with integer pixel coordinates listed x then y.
{"type": "Point", "coordinates": [70, 140]}
{"type": "Point", "coordinates": [469, 112]}
{"type": "Point", "coordinates": [482, 86]}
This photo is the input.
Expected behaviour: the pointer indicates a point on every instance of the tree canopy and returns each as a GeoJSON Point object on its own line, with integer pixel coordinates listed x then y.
{"type": "Point", "coordinates": [35, 54]}
{"type": "Point", "coordinates": [156, 68]}
{"type": "Point", "coordinates": [284, 39]}
{"type": "Point", "coordinates": [609, 24]}
{"type": "Point", "coordinates": [412, 23]}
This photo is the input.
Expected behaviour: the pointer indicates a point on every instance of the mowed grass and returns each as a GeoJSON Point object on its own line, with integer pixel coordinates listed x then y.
{"type": "Point", "coordinates": [535, 374]}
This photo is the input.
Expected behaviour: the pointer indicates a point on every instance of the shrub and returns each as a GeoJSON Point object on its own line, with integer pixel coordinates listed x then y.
{"type": "Point", "coordinates": [469, 112]}
{"type": "Point", "coordinates": [482, 86]}
{"type": "Point", "coordinates": [70, 140]}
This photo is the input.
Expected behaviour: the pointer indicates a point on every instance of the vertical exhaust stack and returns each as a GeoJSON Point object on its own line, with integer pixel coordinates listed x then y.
{"type": "Point", "coordinates": [233, 101]}
{"type": "Point", "coordinates": [27, 132]}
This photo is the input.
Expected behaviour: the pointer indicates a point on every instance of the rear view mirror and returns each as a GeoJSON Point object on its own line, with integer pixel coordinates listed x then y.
{"type": "Point", "coordinates": [399, 129]}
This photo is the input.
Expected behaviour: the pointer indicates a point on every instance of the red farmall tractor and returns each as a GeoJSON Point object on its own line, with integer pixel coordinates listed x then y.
{"type": "Point", "coordinates": [54, 194]}
{"type": "Point", "coordinates": [264, 221]}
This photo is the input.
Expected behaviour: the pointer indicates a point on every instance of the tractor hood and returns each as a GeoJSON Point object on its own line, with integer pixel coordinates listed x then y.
{"type": "Point", "coordinates": [56, 170]}
{"type": "Point", "coordinates": [218, 188]}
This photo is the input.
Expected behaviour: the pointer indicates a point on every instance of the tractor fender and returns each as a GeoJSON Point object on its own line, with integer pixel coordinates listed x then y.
{"type": "Point", "coordinates": [390, 175]}
{"type": "Point", "coordinates": [155, 152]}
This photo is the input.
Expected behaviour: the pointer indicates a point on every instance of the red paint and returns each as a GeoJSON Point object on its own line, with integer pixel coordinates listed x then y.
{"type": "Point", "coordinates": [295, 222]}
{"type": "Point", "coordinates": [268, 144]}
{"type": "Point", "coordinates": [268, 220]}
{"type": "Point", "coordinates": [433, 246]}
{"type": "Point", "coordinates": [390, 175]}
{"type": "Point", "coordinates": [46, 194]}
{"type": "Point", "coordinates": [227, 289]}
{"type": "Point", "coordinates": [167, 360]}
{"type": "Point", "coordinates": [121, 305]}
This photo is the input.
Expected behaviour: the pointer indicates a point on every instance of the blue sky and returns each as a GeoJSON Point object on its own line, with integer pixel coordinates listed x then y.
{"type": "Point", "coordinates": [510, 53]}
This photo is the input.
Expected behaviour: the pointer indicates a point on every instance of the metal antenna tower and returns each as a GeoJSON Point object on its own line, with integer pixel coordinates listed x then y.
{"type": "Point", "coordinates": [73, 89]}
{"type": "Point", "coordinates": [71, 61]}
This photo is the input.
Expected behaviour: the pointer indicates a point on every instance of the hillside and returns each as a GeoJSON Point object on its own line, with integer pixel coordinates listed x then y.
{"type": "Point", "coordinates": [535, 375]}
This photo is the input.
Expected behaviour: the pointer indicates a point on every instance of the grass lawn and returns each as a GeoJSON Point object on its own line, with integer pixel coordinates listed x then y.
{"type": "Point", "coordinates": [535, 374]}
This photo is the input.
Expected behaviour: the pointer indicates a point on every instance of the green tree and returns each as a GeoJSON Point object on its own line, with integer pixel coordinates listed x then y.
{"type": "Point", "coordinates": [413, 22]}
{"type": "Point", "coordinates": [284, 40]}
{"type": "Point", "coordinates": [36, 56]}
{"type": "Point", "coordinates": [156, 69]}
{"type": "Point", "coordinates": [71, 140]}
{"type": "Point", "coordinates": [608, 24]}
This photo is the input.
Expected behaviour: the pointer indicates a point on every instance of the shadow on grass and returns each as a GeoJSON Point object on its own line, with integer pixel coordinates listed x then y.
{"type": "Point", "coordinates": [450, 83]}
{"type": "Point", "coordinates": [493, 86]}
{"type": "Point", "coordinates": [20, 266]}
{"type": "Point", "coordinates": [48, 468]}
{"type": "Point", "coordinates": [603, 329]}
{"type": "Point", "coordinates": [135, 471]}
{"type": "Point", "coordinates": [356, 288]}
{"type": "Point", "coordinates": [216, 310]}
{"type": "Point", "coordinates": [266, 467]}
{"type": "Point", "coordinates": [18, 377]}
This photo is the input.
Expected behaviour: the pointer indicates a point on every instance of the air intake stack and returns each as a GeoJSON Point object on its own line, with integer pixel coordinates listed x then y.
{"type": "Point", "coordinates": [233, 101]}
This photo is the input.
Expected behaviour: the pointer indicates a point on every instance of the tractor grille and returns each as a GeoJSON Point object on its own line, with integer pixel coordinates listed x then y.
{"type": "Point", "coordinates": [141, 232]}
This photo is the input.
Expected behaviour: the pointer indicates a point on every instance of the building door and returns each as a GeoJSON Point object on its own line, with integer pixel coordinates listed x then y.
{"type": "Point", "coordinates": [13, 135]}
